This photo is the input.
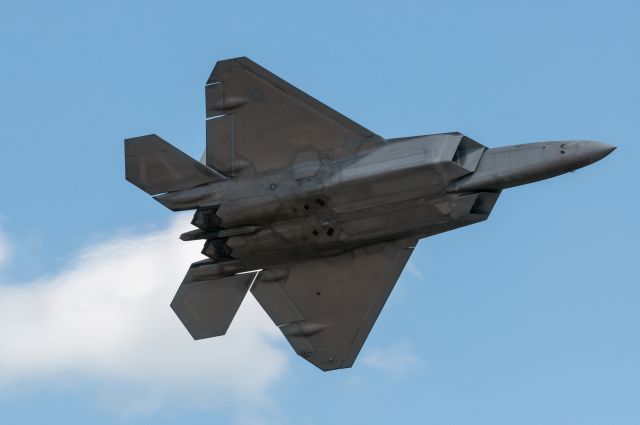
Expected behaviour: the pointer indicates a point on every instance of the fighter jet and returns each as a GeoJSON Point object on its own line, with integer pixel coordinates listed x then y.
{"type": "Point", "coordinates": [315, 214]}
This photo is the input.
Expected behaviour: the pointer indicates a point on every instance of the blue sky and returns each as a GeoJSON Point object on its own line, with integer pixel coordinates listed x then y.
{"type": "Point", "coordinates": [530, 318]}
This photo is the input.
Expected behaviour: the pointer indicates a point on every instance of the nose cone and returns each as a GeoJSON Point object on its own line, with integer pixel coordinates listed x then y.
{"type": "Point", "coordinates": [509, 166]}
{"type": "Point", "coordinates": [592, 151]}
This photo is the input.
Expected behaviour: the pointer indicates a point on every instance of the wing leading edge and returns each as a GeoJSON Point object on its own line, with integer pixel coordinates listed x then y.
{"type": "Point", "coordinates": [326, 307]}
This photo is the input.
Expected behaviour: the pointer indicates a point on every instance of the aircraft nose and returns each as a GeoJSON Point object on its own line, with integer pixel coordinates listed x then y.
{"type": "Point", "coordinates": [593, 151]}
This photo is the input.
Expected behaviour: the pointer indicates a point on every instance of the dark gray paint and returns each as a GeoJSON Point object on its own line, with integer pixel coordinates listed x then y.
{"type": "Point", "coordinates": [155, 166]}
{"type": "Point", "coordinates": [203, 287]}
{"type": "Point", "coordinates": [328, 211]}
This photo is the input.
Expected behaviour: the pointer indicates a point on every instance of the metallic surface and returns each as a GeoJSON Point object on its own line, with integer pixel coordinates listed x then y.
{"type": "Point", "coordinates": [323, 211]}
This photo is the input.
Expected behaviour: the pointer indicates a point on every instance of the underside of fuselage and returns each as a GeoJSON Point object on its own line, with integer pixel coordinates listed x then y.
{"type": "Point", "coordinates": [315, 214]}
{"type": "Point", "coordinates": [395, 191]}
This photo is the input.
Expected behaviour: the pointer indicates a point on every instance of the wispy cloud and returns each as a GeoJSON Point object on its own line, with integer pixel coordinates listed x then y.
{"type": "Point", "coordinates": [5, 248]}
{"type": "Point", "coordinates": [396, 360]}
{"type": "Point", "coordinates": [414, 270]}
{"type": "Point", "coordinates": [107, 319]}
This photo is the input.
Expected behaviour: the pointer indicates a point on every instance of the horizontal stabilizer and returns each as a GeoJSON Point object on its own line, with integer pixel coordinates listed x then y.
{"type": "Point", "coordinates": [206, 304]}
{"type": "Point", "coordinates": [156, 166]}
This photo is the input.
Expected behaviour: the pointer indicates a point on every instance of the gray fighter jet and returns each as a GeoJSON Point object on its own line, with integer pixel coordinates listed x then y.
{"type": "Point", "coordinates": [314, 213]}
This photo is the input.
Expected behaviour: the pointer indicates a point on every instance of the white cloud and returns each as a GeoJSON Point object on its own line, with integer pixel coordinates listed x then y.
{"type": "Point", "coordinates": [395, 360]}
{"type": "Point", "coordinates": [107, 319]}
{"type": "Point", "coordinates": [5, 249]}
{"type": "Point", "coordinates": [414, 270]}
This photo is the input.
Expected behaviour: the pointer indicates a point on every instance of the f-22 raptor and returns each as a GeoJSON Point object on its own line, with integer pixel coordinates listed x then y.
{"type": "Point", "coordinates": [313, 212]}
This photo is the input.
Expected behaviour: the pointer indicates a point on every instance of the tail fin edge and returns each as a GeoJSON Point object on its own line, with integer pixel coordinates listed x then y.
{"type": "Point", "coordinates": [156, 166]}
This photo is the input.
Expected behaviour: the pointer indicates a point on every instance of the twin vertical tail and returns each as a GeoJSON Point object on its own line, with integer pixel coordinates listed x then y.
{"type": "Point", "coordinates": [212, 291]}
